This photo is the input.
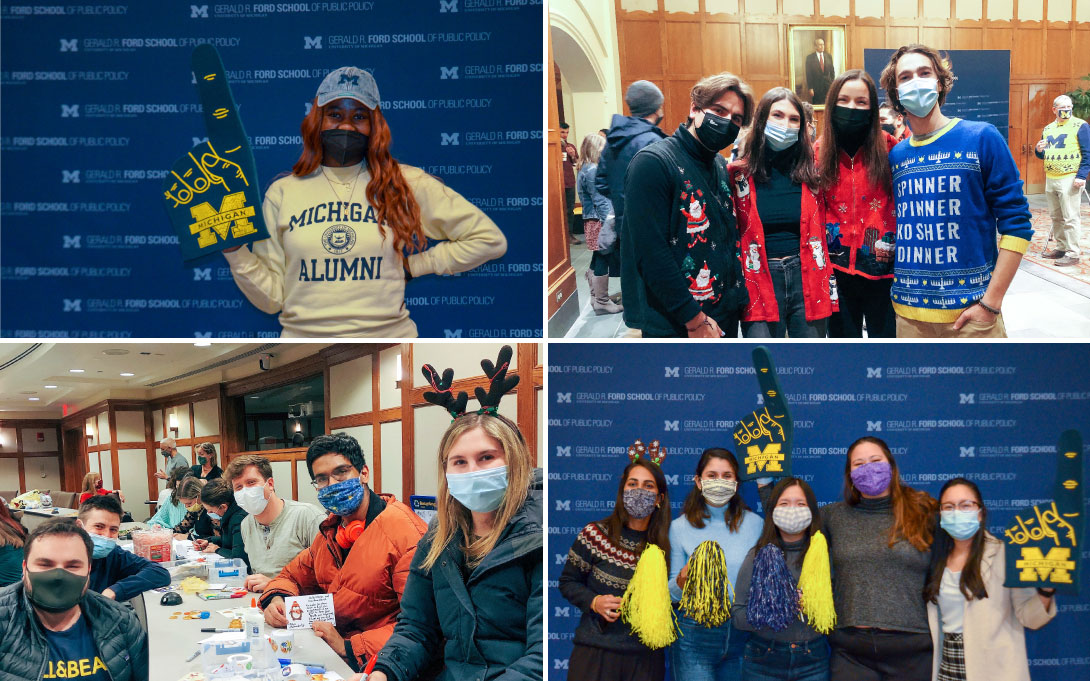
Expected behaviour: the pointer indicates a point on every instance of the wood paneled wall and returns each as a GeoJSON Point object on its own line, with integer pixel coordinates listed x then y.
{"type": "Point", "coordinates": [675, 49]}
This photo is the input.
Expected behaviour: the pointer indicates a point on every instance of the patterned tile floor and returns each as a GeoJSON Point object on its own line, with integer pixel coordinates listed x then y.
{"type": "Point", "coordinates": [1044, 301]}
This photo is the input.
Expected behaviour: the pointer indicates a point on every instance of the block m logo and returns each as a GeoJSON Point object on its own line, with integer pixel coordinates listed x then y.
{"type": "Point", "coordinates": [69, 110]}
{"type": "Point", "coordinates": [452, 333]}
{"type": "Point", "coordinates": [671, 372]}
{"type": "Point", "coordinates": [1054, 567]}
{"type": "Point", "coordinates": [562, 612]}
{"type": "Point", "coordinates": [73, 305]}
{"type": "Point", "coordinates": [967, 452]}
{"type": "Point", "coordinates": [234, 216]}
{"type": "Point", "coordinates": [70, 176]}
{"type": "Point", "coordinates": [199, 140]}
{"type": "Point", "coordinates": [769, 459]}
{"type": "Point", "coordinates": [202, 334]}
{"type": "Point", "coordinates": [73, 241]}
{"type": "Point", "coordinates": [560, 664]}
{"type": "Point", "coordinates": [874, 372]}
{"type": "Point", "coordinates": [563, 505]}
{"type": "Point", "coordinates": [448, 73]}
{"type": "Point", "coordinates": [874, 426]}
{"type": "Point", "coordinates": [198, 11]}
{"type": "Point", "coordinates": [672, 479]}
{"type": "Point", "coordinates": [564, 451]}
{"type": "Point", "coordinates": [448, 5]}
{"type": "Point", "coordinates": [563, 398]}
{"type": "Point", "coordinates": [449, 139]}
{"type": "Point", "coordinates": [670, 426]}
{"type": "Point", "coordinates": [966, 398]}
{"type": "Point", "coordinates": [1059, 141]}
{"type": "Point", "coordinates": [202, 274]}
{"type": "Point", "coordinates": [69, 45]}
{"type": "Point", "coordinates": [310, 43]}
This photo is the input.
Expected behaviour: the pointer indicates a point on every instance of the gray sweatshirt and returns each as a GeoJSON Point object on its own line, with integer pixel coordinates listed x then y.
{"type": "Point", "coordinates": [874, 585]}
{"type": "Point", "coordinates": [799, 630]}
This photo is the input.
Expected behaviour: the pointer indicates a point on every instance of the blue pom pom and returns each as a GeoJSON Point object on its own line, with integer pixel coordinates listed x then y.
{"type": "Point", "coordinates": [773, 594]}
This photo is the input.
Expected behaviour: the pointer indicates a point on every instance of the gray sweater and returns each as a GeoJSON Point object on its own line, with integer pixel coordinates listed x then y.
{"type": "Point", "coordinates": [799, 630]}
{"type": "Point", "coordinates": [874, 585]}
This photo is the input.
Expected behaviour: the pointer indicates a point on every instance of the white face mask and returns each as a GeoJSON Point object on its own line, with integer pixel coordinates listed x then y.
{"type": "Point", "coordinates": [792, 519]}
{"type": "Point", "coordinates": [252, 499]}
{"type": "Point", "coordinates": [717, 491]}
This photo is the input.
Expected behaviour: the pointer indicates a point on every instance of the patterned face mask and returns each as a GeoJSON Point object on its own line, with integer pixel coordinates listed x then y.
{"type": "Point", "coordinates": [342, 498]}
{"type": "Point", "coordinates": [792, 519]}
{"type": "Point", "coordinates": [1065, 114]}
{"type": "Point", "coordinates": [872, 478]}
{"type": "Point", "coordinates": [639, 503]}
{"type": "Point", "coordinates": [718, 491]}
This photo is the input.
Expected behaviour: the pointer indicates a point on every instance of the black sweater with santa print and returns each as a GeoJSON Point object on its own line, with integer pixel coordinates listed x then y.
{"type": "Point", "coordinates": [679, 212]}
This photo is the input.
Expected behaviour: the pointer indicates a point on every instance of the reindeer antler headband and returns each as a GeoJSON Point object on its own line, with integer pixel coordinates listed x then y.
{"type": "Point", "coordinates": [499, 385]}
{"type": "Point", "coordinates": [653, 452]}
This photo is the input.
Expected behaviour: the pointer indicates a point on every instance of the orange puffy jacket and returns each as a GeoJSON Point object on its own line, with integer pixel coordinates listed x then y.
{"type": "Point", "coordinates": [366, 581]}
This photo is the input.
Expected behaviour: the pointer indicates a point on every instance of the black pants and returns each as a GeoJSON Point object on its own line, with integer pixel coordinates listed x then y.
{"type": "Point", "coordinates": [862, 298]}
{"type": "Point", "coordinates": [569, 210]}
{"type": "Point", "coordinates": [879, 655]}
{"type": "Point", "coordinates": [598, 664]}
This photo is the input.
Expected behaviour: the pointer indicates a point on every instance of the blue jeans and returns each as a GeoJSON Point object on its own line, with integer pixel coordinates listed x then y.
{"type": "Point", "coordinates": [787, 284]}
{"type": "Point", "coordinates": [766, 660]}
{"type": "Point", "coordinates": [703, 654]}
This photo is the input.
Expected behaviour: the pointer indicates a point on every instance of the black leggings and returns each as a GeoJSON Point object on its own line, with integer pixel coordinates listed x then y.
{"type": "Point", "coordinates": [879, 655]}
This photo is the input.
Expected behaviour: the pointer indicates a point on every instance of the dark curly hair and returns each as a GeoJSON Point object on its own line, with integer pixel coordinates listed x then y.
{"type": "Point", "coordinates": [338, 443]}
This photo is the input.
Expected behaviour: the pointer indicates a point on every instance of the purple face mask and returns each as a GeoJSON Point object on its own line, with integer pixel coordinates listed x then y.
{"type": "Point", "coordinates": [872, 478]}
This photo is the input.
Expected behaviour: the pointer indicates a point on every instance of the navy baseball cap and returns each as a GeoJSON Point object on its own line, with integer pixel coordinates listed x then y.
{"type": "Point", "coordinates": [350, 82]}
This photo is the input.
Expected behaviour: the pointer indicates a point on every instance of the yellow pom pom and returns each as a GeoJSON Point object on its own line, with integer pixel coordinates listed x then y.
{"type": "Point", "coordinates": [646, 602]}
{"type": "Point", "coordinates": [816, 586]}
{"type": "Point", "coordinates": [707, 594]}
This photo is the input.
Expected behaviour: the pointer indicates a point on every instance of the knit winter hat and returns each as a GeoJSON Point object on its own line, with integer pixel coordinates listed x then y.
{"type": "Point", "coordinates": [643, 98]}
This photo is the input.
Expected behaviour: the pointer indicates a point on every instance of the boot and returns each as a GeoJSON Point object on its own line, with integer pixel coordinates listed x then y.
{"type": "Point", "coordinates": [599, 295]}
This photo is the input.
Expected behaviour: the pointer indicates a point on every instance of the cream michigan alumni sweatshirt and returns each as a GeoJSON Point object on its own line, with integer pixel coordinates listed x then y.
{"type": "Point", "coordinates": [326, 267]}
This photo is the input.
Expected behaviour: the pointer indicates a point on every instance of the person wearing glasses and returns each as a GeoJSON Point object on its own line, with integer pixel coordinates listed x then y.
{"type": "Point", "coordinates": [361, 554]}
{"type": "Point", "coordinates": [977, 625]}
{"type": "Point", "coordinates": [679, 215]}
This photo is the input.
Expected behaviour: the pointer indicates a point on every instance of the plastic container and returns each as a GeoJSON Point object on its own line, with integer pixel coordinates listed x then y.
{"type": "Point", "coordinates": [154, 545]}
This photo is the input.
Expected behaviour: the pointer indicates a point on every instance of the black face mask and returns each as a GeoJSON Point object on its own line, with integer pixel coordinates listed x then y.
{"type": "Point", "coordinates": [346, 147]}
{"type": "Point", "coordinates": [890, 128]}
{"type": "Point", "coordinates": [851, 126]}
{"type": "Point", "coordinates": [715, 132]}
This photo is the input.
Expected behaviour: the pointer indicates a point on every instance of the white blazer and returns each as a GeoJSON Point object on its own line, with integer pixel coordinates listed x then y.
{"type": "Point", "coordinates": [995, 640]}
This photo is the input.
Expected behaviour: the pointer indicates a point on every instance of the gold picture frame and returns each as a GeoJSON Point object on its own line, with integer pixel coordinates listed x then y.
{"type": "Point", "coordinates": [810, 76]}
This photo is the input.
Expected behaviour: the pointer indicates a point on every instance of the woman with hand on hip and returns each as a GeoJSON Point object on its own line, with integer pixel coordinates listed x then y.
{"type": "Point", "coordinates": [474, 597]}
{"type": "Point", "coordinates": [712, 511]}
{"type": "Point", "coordinates": [349, 227]}
{"type": "Point", "coordinates": [977, 624]}
{"type": "Point", "coordinates": [600, 564]}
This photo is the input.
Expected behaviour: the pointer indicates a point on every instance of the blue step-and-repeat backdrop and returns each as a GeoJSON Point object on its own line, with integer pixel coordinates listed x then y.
{"type": "Point", "coordinates": [982, 83]}
{"type": "Point", "coordinates": [99, 101]}
{"type": "Point", "coordinates": [989, 412]}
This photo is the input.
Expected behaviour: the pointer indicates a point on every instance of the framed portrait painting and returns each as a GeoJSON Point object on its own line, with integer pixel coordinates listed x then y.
{"type": "Point", "coordinates": [816, 59]}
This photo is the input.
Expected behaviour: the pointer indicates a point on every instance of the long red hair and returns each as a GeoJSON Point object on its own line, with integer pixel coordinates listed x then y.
{"type": "Point", "coordinates": [914, 511]}
{"type": "Point", "coordinates": [387, 192]}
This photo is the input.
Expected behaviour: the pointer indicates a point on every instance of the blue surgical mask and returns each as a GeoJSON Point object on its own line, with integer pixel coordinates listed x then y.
{"type": "Point", "coordinates": [780, 137]}
{"type": "Point", "coordinates": [960, 524]}
{"type": "Point", "coordinates": [102, 546]}
{"type": "Point", "coordinates": [342, 498]}
{"type": "Point", "coordinates": [480, 491]}
{"type": "Point", "coordinates": [918, 96]}
{"type": "Point", "coordinates": [213, 515]}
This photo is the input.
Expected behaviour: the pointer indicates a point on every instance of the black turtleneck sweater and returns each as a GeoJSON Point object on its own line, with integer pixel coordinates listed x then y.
{"type": "Point", "coordinates": [874, 585]}
{"type": "Point", "coordinates": [779, 203]}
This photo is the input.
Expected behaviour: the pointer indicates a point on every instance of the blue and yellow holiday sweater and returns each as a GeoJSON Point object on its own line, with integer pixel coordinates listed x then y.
{"type": "Point", "coordinates": [952, 193]}
{"type": "Point", "coordinates": [1068, 150]}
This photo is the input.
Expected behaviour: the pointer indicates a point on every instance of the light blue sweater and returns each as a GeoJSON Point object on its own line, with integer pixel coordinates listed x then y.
{"type": "Point", "coordinates": [684, 538]}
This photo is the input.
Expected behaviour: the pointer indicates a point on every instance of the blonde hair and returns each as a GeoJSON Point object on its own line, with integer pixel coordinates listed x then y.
{"type": "Point", "coordinates": [591, 150]}
{"type": "Point", "coordinates": [452, 516]}
{"type": "Point", "coordinates": [89, 481]}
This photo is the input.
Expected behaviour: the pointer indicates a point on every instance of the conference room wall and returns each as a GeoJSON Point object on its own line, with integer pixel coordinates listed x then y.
{"type": "Point", "coordinates": [21, 455]}
{"type": "Point", "coordinates": [679, 41]}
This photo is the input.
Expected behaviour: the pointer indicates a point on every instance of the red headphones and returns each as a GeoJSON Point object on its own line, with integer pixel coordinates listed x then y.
{"type": "Point", "coordinates": [347, 536]}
